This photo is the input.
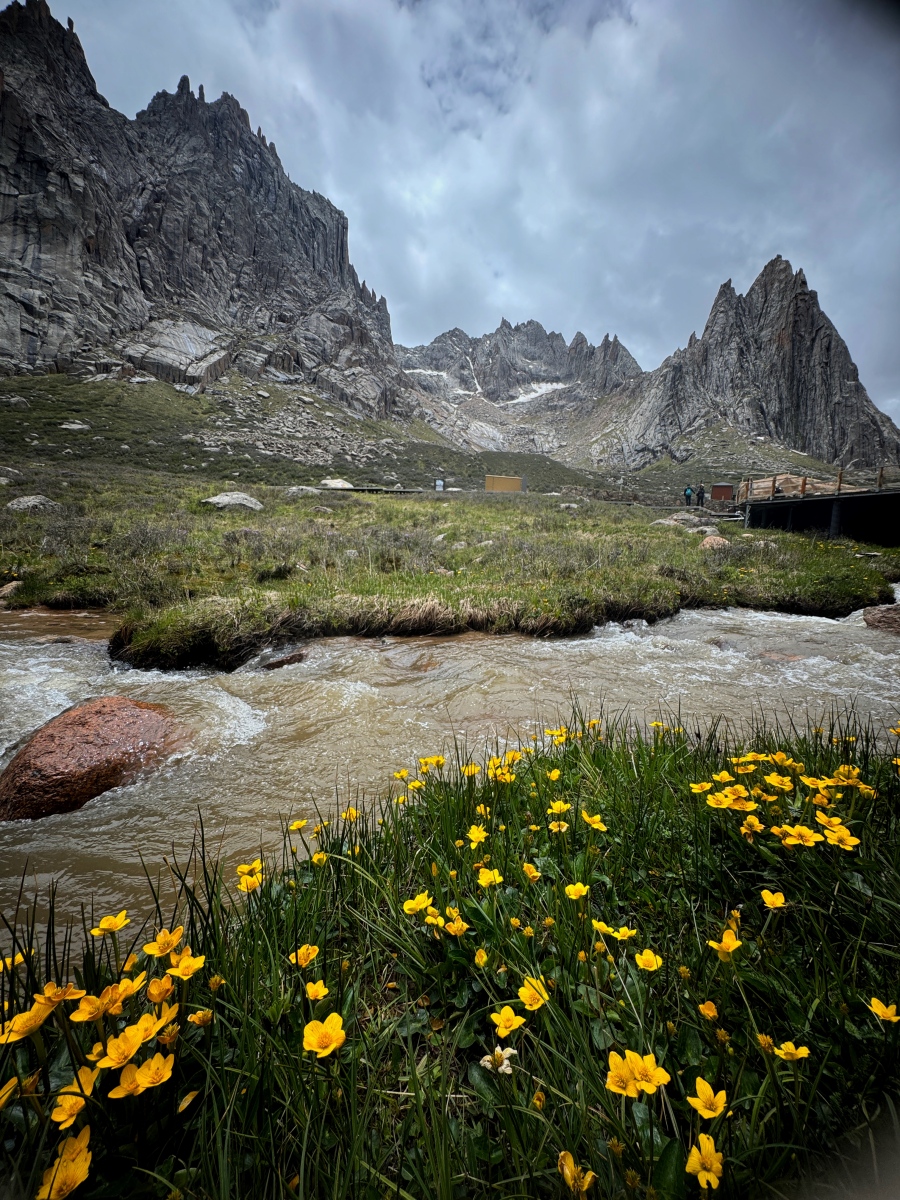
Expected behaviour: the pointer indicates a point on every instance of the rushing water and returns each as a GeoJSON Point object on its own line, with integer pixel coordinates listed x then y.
{"type": "Point", "coordinates": [265, 743]}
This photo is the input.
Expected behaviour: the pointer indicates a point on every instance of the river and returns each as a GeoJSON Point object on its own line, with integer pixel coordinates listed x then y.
{"type": "Point", "coordinates": [263, 744]}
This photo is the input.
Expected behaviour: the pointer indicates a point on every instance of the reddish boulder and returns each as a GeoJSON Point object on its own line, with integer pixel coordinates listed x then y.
{"type": "Point", "coordinates": [86, 750]}
{"type": "Point", "coordinates": [885, 617]}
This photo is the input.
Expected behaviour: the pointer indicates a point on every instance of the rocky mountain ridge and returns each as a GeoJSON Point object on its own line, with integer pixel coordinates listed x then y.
{"type": "Point", "coordinates": [769, 364]}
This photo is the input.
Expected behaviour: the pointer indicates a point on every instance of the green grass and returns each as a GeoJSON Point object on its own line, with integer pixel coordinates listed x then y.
{"type": "Point", "coordinates": [200, 586]}
{"type": "Point", "coordinates": [403, 1108]}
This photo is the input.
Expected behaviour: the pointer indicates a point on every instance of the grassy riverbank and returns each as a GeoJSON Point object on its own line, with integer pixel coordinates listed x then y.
{"type": "Point", "coordinates": [196, 585]}
{"type": "Point", "coordinates": [585, 863]}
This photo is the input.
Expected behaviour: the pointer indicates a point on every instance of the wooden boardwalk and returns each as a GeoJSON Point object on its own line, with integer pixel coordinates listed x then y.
{"type": "Point", "coordinates": [866, 516]}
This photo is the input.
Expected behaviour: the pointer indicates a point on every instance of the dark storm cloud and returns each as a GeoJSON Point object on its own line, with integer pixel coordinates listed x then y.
{"type": "Point", "coordinates": [595, 164]}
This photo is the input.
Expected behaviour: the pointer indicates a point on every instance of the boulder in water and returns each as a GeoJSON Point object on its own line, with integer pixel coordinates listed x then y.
{"type": "Point", "coordinates": [86, 750]}
{"type": "Point", "coordinates": [885, 617]}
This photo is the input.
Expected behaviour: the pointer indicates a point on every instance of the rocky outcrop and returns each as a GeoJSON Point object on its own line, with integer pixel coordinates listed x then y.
{"type": "Point", "coordinates": [85, 751]}
{"type": "Point", "coordinates": [174, 242]}
{"type": "Point", "coordinates": [885, 617]}
{"type": "Point", "coordinates": [233, 500]}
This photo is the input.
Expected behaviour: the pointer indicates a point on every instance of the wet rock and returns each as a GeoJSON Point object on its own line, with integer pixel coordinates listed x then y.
{"type": "Point", "coordinates": [83, 752]}
{"type": "Point", "coordinates": [286, 660]}
{"type": "Point", "coordinates": [33, 504]}
{"type": "Point", "coordinates": [714, 543]}
{"type": "Point", "coordinates": [233, 500]}
{"type": "Point", "coordinates": [885, 617]}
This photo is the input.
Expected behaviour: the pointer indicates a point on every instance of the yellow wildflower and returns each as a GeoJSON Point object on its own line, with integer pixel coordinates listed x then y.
{"type": "Point", "coordinates": [119, 1050]}
{"type": "Point", "coordinates": [708, 1010]}
{"type": "Point", "coordinates": [296, 826]}
{"type": "Point", "coordinates": [800, 835]}
{"type": "Point", "coordinates": [533, 993]}
{"type": "Point", "coordinates": [752, 825]}
{"type": "Point", "coordinates": [883, 1011]}
{"type": "Point", "coordinates": [709, 1104]}
{"type": "Point", "coordinates": [558, 826]}
{"type": "Point", "coordinates": [70, 1169]}
{"type": "Point", "coordinates": [620, 1078]}
{"type": "Point", "coordinates": [323, 1037]}
{"type": "Point", "coordinates": [159, 990]}
{"type": "Point", "coordinates": [476, 835]}
{"type": "Point", "coordinates": [699, 788]}
{"type": "Point", "coordinates": [319, 858]}
{"type": "Point", "coordinates": [155, 1070]}
{"type": "Point", "coordinates": [111, 924]}
{"type": "Point", "coordinates": [532, 874]}
{"type": "Point", "coordinates": [506, 1021]}
{"type": "Point", "coordinates": [350, 814]}
{"type": "Point", "coordinates": [558, 807]}
{"type": "Point", "coordinates": [727, 946]}
{"type": "Point", "coordinates": [623, 933]}
{"type": "Point", "coordinates": [595, 822]}
{"type": "Point", "coordinates": [303, 955]}
{"type": "Point", "coordinates": [480, 957]}
{"type": "Point", "coordinates": [164, 942]}
{"type": "Point", "coordinates": [489, 878]}
{"type": "Point", "coordinates": [578, 1180]}
{"type": "Point", "coordinates": [72, 1099]}
{"type": "Point", "coordinates": [781, 783]}
{"type": "Point", "coordinates": [723, 777]}
{"type": "Point", "coordinates": [791, 1053]}
{"type": "Point", "coordinates": [648, 961]}
{"type": "Point", "coordinates": [187, 966]}
{"type": "Point", "coordinates": [470, 770]}
{"type": "Point", "coordinates": [841, 837]}
{"type": "Point", "coordinates": [647, 1075]}
{"type": "Point", "coordinates": [575, 891]}
{"type": "Point", "coordinates": [705, 1161]}
{"type": "Point", "coordinates": [772, 899]}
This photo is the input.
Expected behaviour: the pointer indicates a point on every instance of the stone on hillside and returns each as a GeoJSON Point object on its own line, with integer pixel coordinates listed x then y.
{"type": "Point", "coordinates": [713, 542]}
{"type": "Point", "coordinates": [335, 483]}
{"type": "Point", "coordinates": [33, 504]}
{"type": "Point", "coordinates": [301, 490]}
{"type": "Point", "coordinates": [884, 617]}
{"type": "Point", "coordinates": [233, 500]}
{"type": "Point", "coordinates": [89, 749]}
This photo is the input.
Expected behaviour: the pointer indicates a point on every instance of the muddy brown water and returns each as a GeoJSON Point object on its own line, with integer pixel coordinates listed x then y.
{"type": "Point", "coordinates": [269, 743]}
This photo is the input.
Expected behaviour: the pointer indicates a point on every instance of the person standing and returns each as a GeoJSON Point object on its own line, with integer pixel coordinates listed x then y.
{"type": "Point", "coordinates": [688, 493]}
{"type": "Point", "coordinates": [701, 495]}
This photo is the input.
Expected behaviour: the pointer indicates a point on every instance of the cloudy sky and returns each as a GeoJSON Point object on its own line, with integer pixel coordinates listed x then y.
{"type": "Point", "coordinates": [600, 165]}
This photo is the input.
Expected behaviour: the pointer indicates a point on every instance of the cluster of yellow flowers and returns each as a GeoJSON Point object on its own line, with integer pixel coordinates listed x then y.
{"type": "Point", "coordinates": [824, 792]}
{"type": "Point", "coordinates": [119, 1046]}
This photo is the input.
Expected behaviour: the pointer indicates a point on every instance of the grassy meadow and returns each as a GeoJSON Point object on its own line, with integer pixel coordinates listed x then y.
{"type": "Point", "coordinates": [610, 962]}
{"type": "Point", "coordinates": [199, 586]}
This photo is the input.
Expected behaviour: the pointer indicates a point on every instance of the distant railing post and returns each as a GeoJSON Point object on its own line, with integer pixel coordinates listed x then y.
{"type": "Point", "coordinates": [880, 483]}
{"type": "Point", "coordinates": [803, 486]}
{"type": "Point", "coordinates": [840, 481]}
{"type": "Point", "coordinates": [772, 492]}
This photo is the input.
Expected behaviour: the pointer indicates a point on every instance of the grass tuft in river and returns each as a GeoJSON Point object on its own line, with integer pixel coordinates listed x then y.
{"type": "Point", "coordinates": [605, 962]}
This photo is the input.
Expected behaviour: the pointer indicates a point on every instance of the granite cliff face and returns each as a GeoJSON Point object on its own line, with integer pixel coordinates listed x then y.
{"type": "Point", "coordinates": [174, 242]}
{"type": "Point", "coordinates": [768, 365]}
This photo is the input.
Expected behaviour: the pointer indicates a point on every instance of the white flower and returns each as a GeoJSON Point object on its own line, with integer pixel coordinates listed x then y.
{"type": "Point", "coordinates": [499, 1061]}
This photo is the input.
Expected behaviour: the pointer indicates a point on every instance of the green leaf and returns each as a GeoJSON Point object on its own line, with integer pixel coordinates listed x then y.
{"type": "Point", "coordinates": [483, 1086]}
{"type": "Point", "coordinates": [669, 1176]}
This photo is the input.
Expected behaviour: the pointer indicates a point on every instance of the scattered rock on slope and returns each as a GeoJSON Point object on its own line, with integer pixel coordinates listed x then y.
{"type": "Point", "coordinates": [233, 500]}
